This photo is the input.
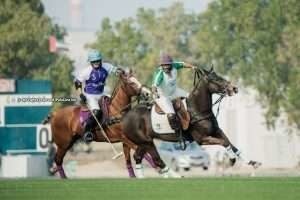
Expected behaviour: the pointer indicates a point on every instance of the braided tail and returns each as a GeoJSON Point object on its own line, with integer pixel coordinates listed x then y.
{"type": "Point", "coordinates": [47, 119]}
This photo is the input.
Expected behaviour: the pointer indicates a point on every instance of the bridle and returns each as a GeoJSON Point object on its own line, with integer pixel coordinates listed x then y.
{"type": "Point", "coordinates": [198, 76]}
{"type": "Point", "coordinates": [127, 106]}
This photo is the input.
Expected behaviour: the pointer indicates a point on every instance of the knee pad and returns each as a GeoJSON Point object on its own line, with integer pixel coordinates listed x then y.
{"type": "Point", "coordinates": [97, 113]}
{"type": "Point", "coordinates": [174, 123]}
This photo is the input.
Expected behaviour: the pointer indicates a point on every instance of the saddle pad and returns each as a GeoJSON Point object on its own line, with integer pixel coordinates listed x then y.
{"type": "Point", "coordinates": [160, 123]}
{"type": "Point", "coordinates": [83, 116]}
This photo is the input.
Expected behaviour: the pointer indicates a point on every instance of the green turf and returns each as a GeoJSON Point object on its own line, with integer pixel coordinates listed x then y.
{"type": "Point", "coordinates": [123, 189]}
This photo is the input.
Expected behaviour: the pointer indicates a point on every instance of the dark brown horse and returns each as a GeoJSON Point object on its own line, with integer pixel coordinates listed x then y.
{"type": "Point", "coordinates": [67, 129]}
{"type": "Point", "coordinates": [203, 127]}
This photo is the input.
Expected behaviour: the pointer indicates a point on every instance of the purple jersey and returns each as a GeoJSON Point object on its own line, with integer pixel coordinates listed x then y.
{"type": "Point", "coordinates": [94, 78]}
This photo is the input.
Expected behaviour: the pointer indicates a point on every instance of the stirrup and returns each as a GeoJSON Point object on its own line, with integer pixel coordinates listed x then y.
{"type": "Point", "coordinates": [88, 137]}
{"type": "Point", "coordinates": [182, 143]}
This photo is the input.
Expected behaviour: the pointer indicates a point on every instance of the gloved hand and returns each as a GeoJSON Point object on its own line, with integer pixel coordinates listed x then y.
{"type": "Point", "coordinates": [83, 98]}
{"type": "Point", "coordinates": [155, 93]}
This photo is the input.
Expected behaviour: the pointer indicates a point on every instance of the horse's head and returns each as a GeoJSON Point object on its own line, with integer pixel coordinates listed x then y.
{"type": "Point", "coordinates": [217, 84]}
{"type": "Point", "coordinates": [131, 85]}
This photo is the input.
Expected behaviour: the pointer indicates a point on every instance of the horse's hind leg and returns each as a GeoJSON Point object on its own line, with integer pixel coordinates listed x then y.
{"type": "Point", "coordinates": [60, 154]}
{"type": "Point", "coordinates": [164, 170]}
{"type": "Point", "coordinates": [126, 150]}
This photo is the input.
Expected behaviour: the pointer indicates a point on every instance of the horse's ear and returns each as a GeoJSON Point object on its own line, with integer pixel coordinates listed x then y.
{"type": "Point", "coordinates": [211, 68]}
{"type": "Point", "coordinates": [202, 72]}
{"type": "Point", "coordinates": [130, 71]}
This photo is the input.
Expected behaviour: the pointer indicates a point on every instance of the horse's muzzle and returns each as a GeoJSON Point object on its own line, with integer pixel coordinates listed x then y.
{"type": "Point", "coordinates": [231, 90]}
{"type": "Point", "coordinates": [235, 89]}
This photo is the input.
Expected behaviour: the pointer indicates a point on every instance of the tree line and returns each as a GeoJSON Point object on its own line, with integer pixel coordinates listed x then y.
{"type": "Point", "coordinates": [254, 42]}
{"type": "Point", "coordinates": [24, 33]}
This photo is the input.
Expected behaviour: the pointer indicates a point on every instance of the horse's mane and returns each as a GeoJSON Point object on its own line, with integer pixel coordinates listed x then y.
{"type": "Point", "coordinates": [198, 74]}
{"type": "Point", "coordinates": [117, 85]}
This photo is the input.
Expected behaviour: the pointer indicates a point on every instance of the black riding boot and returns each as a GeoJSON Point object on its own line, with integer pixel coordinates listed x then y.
{"type": "Point", "coordinates": [88, 130]}
{"type": "Point", "coordinates": [176, 126]}
{"type": "Point", "coordinates": [90, 126]}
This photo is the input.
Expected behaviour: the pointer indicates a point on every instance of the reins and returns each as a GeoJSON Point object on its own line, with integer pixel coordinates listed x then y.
{"type": "Point", "coordinates": [219, 100]}
{"type": "Point", "coordinates": [121, 110]}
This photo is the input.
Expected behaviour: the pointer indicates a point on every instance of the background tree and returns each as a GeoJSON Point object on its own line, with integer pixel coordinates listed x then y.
{"type": "Point", "coordinates": [24, 33]}
{"type": "Point", "coordinates": [138, 42]}
{"type": "Point", "coordinates": [257, 43]}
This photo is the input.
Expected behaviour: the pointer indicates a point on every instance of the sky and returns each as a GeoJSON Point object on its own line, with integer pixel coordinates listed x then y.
{"type": "Point", "coordinates": [93, 11]}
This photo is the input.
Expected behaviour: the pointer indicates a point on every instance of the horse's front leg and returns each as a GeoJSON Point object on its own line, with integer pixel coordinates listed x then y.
{"type": "Point", "coordinates": [138, 157]}
{"type": "Point", "coordinates": [126, 150]}
{"type": "Point", "coordinates": [234, 152]}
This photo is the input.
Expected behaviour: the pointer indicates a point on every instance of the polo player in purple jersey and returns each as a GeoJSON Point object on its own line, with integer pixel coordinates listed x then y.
{"type": "Point", "coordinates": [93, 77]}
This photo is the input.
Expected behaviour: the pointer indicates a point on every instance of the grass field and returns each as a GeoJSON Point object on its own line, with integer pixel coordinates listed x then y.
{"type": "Point", "coordinates": [123, 189]}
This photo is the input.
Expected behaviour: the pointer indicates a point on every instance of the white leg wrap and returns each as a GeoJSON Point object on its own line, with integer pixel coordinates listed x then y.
{"type": "Point", "coordinates": [139, 171]}
{"type": "Point", "coordinates": [230, 152]}
{"type": "Point", "coordinates": [167, 172]}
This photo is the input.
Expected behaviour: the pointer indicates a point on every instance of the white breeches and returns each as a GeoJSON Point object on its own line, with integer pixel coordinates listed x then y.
{"type": "Point", "coordinates": [92, 100]}
{"type": "Point", "coordinates": [165, 102]}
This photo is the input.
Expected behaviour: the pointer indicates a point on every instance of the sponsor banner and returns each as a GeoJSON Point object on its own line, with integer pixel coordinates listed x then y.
{"type": "Point", "coordinates": [26, 100]}
{"type": "Point", "coordinates": [43, 137]}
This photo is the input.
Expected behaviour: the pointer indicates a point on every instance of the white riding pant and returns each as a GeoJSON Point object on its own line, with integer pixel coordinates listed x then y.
{"type": "Point", "coordinates": [165, 102]}
{"type": "Point", "coordinates": [92, 100]}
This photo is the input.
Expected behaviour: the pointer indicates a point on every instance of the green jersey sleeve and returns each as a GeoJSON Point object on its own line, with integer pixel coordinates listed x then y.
{"type": "Point", "coordinates": [158, 77]}
{"type": "Point", "coordinates": [178, 65]}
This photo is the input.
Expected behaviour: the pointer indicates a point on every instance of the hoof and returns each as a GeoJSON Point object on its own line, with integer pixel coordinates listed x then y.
{"type": "Point", "coordinates": [254, 164]}
{"type": "Point", "coordinates": [52, 171]}
{"type": "Point", "coordinates": [232, 161]}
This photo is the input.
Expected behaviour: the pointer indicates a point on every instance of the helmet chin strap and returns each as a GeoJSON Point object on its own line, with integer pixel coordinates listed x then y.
{"type": "Point", "coordinates": [95, 66]}
{"type": "Point", "coordinates": [167, 70]}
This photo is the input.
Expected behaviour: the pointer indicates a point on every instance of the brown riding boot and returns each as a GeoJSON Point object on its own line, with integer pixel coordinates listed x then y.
{"type": "Point", "coordinates": [176, 126]}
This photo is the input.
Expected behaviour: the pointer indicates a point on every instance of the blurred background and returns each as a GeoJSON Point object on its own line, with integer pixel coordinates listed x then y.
{"type": "Point", "coordinates": [255, 44]}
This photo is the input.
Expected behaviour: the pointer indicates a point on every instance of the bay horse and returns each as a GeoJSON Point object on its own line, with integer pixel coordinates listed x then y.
{"type": "Point", "coordinates": [67, 128]}
{"type": "Point", "coordinates": [202, 126]}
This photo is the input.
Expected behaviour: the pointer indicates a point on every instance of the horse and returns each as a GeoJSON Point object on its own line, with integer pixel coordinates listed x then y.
{"type": "Point", "coordinates": [67, 127]}
{"type": "Point", "coordinates": [202, 126]}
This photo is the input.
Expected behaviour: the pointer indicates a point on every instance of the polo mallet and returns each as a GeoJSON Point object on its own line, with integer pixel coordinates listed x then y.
{"type": "Point", "coordinates": [116, 154]}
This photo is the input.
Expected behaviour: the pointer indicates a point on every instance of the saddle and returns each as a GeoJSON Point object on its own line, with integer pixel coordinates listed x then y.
{"type": "Point", "coordinates": [104, 103]}
{"type": "Point", "coordinates": [180, 111]}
